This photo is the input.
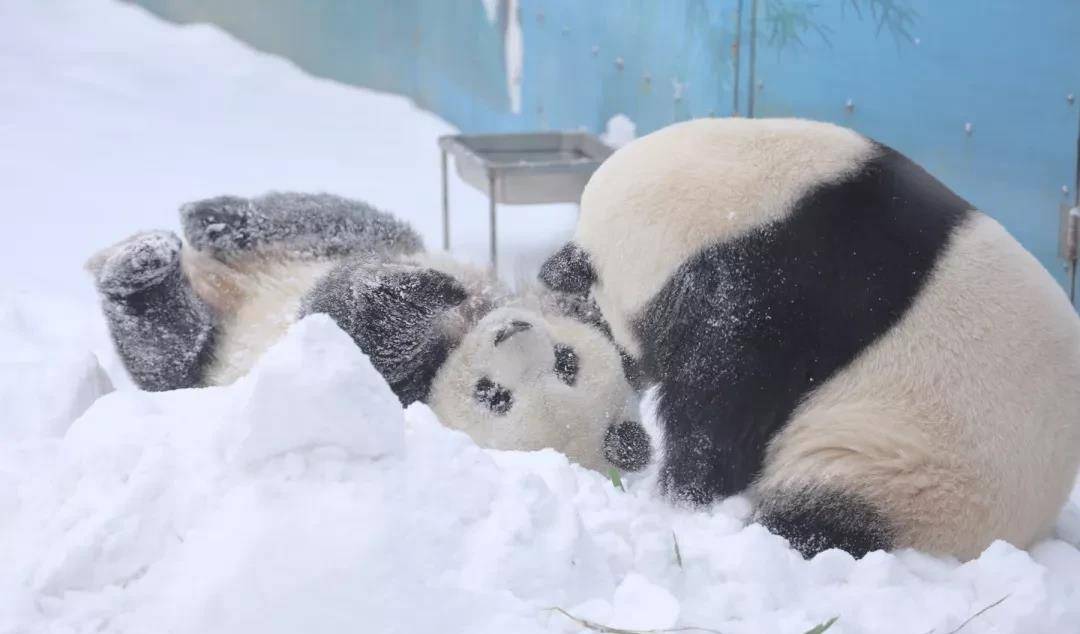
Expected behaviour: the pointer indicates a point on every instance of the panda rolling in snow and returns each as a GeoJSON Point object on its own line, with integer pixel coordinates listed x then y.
{"type": "Point", "coordinates": [512, 372]}
{"type": "Point", "coordinates": [836, 332]}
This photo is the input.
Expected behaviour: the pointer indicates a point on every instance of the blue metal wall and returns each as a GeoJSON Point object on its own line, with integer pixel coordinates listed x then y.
{"type": "Point", "coordinates": [975, 90]}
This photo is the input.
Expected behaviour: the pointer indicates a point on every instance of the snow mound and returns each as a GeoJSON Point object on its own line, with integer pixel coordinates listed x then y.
{"type": "Point", "coordinates": [315, 387]}
{"type": "Point", "coordinates": [287, 501]}
{"type": "Point", "coordinates": [302, 498]}
{"type": "Point", "coordinates": [45, 384]}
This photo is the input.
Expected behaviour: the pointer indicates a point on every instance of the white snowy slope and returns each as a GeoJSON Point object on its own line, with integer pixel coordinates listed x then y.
{"type": "Point", "coordinates": [302, 498]}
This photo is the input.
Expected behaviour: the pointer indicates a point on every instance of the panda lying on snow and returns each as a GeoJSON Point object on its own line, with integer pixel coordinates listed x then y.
{"type": "Point", "coordinates": [512, 372]}
{"type": "Point", "coordinates": [833, 329]}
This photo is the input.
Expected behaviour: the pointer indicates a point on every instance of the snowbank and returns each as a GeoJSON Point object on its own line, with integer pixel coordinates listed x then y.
{"type": "Point", "coordinates": [302, 498]}
{"type": "Point", "coordinates": [44, 383]}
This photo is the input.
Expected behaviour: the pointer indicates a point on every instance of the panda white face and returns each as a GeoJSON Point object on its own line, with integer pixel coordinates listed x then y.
{"type": "Point", "coordinates": [524, 380]}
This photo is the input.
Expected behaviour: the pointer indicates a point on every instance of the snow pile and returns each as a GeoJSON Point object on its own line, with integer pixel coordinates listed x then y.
{"type": "Point", "coordinates": [45, 384]}
{"type": "Point", "coordinates": [288, 501]}
{"type": "Point", "coordinates": [302, 498]}
{"type": "Point", "coordinates": [338, 398]}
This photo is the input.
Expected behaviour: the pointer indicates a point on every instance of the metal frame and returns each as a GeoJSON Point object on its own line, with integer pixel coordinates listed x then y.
{"type": "Point", "coordinates": [519, 169]}
{"type": "Point", "coordinates": [1069, 244]}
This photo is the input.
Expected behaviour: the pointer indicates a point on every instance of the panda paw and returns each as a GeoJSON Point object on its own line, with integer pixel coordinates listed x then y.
{"type": "Point", "coordinates": [221, 225]}
{"type": "Point", "coordinates": [140, 262]}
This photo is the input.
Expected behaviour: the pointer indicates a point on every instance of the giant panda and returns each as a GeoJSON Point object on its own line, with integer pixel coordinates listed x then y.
{"type": "Point", "coordinates": [524, 371]}
{"type": "Point", "coordinates": [834, 332]}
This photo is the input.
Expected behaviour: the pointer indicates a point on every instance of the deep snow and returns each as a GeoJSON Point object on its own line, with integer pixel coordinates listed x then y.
{"type": "Point", "coordinates": [302, 498]}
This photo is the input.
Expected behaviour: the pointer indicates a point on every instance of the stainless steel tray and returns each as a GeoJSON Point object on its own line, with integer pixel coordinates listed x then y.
{"type": "Point", "coordinates": [521, 169]}
{"type": "Point", "coordinates": [532, 168]}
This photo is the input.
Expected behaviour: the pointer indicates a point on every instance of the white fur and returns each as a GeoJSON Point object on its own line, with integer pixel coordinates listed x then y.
{"type": "Point", "coordinates": [964, 420]}
{"type": "Point", "coordinates": [546, 413]}
{"type": "Point", "coordinates": [722, 177]}
{"type": "Point", "coordinates": [256, 299]}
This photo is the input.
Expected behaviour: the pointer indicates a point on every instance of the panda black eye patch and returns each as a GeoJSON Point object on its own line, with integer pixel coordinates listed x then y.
{"type": "Point", "coordinates": [566, 364]}
{"type": "Point", "coordinates": [497, 398]}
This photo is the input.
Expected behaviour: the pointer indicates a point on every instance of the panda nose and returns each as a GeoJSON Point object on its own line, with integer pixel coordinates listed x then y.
{"type": "Point", "coordinates": [626, 445]}
{"type": "Point", "coordinates": [511, 329]}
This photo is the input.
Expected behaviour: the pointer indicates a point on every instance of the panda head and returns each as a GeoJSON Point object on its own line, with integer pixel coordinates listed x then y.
{"type": "Point", "coordinates": [534, 375]}
{"type": "Point", "coordinates": [523, 379]}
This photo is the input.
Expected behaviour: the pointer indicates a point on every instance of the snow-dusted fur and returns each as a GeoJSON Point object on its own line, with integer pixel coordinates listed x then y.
{"type": "Point", "coordinates": [653, 205]}
{"type": "Point", "coordinates": [581, 407]}
{"type": "Point", "coordinates": [203, 310]}
{"type": "Point", "coordinates": [963, 421]}
{"type": "Point", "coordinates": [958, 425]}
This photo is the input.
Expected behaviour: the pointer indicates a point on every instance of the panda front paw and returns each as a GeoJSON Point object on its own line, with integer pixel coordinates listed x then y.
{"type": "Point", "coordinates": [140, 262]}
{"type": "Point", "coordinates": [221, 225]}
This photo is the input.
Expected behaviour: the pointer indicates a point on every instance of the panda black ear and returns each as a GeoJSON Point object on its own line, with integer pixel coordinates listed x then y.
{"type": "Point", "coordinates": [569, 270]}
{"type": "Point", "coordinates": [429, 287]}
{"type": "Point", "coordinates": [395, 317]}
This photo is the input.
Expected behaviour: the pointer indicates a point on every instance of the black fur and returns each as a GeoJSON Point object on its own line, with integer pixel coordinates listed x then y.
{"type": "Point", "coordinates": [746, 329]}
{"type": "Point", "coordinates": [569, 275]}
{"type": "Point", "coordinates": [569, 270]}
{"type": "Point", "coordinates": [566, 364]}
{"type": "Point", "coordinates": [627, 446]}
{"type": "Point", "coordinates": [163, 332]}
{"type": "Point", "coordinates": [510, 330]}
{"type": "Point", "coordinates": [814, 520]}
{"type": "Point", "coordinates": [495, 397]}
{"type": "Point", "coordinates": [294, 225]}
{"type": "Point", "coordinates": [395, 315]}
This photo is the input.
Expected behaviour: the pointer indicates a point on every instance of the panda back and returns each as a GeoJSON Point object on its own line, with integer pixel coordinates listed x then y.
{"type": "Point", "coordinates": [961, 421]}
{"type": "Point", "coordinates": [662, 199]}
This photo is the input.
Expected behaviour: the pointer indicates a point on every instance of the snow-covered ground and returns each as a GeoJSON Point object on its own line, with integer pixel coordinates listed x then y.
{"type": "Point", "coordinates": [302, 498]}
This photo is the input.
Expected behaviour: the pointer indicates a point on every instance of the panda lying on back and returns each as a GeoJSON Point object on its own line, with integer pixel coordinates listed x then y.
{"type": "Point", "coordinates": [833, 329]}
{"type": "Point", "coordinates": [513, 372]}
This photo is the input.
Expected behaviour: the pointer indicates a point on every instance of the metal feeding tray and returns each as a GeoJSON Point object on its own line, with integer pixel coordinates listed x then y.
{"type": "Point", "coordinates": [521, 169]}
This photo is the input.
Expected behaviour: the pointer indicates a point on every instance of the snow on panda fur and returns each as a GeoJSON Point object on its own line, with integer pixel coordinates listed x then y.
{"type": "Point", "coordinates": [200, 311]}
{"type": "Point", "coordinates": [832, 329]}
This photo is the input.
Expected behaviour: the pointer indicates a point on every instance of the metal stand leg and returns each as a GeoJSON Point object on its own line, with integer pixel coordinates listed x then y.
{"type": "Point", "coordinates": [1072, 282]}
{"type": "Point", "coordinates": [491, 202]}
{"type": "Point", "coordinates": [445, 207]}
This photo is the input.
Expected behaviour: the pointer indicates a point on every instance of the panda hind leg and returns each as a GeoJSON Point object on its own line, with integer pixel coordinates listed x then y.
{"type": "Point", "coordinates": [163, 332]}
{"type": "Point", "coordinates": [814, 519]}
{"type": "Point", "coordinates": [293, 225]}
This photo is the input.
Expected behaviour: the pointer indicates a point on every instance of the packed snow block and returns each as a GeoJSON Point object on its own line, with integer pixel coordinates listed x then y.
{"type": "Point", "coordinates": [85, 381]}
{"type": "Point", "coordinates": [44, 398]}
{"type": "Point", "coordinates": [316, 388]}
{"type": "Point", "coordinates": [44, 383]}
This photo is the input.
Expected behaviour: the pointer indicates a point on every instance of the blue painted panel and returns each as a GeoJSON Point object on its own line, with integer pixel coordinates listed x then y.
{"type": "Point", "coordinates": [677, 57]}
{"type": "Point", "coordinates": [915, 78]}
{"type": "Point", "coordinates": [655, 62]}
{"type": "Point", "coordinates": [1003, 67]}
{"type": "Point", "coordinates": [445, 55]}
